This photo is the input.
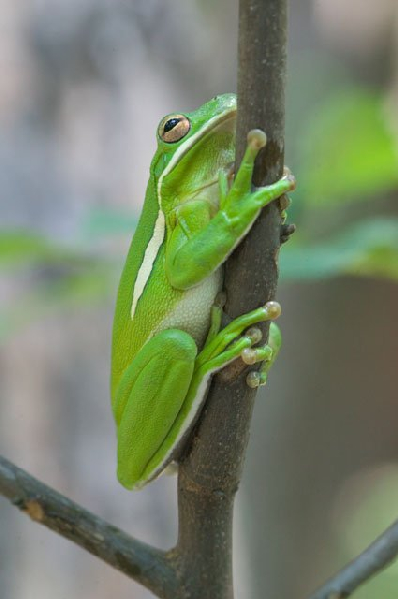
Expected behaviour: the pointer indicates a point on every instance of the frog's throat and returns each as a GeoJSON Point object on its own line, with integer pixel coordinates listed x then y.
{"type": "Point", "coordinates": [156, 240]}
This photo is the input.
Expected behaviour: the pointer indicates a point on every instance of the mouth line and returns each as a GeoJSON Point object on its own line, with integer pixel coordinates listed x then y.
{"type": "Point", "coordinates": [226, 117]}
{"type": "Point", "coordinates": [218, 123]}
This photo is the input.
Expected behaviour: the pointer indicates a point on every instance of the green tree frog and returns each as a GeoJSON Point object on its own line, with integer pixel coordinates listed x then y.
{"type": "Point", "coordinates": [167, 337]}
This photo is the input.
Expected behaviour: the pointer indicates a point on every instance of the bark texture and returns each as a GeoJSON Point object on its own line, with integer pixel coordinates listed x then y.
{"type": "Point", "coordinates": [209, 475]}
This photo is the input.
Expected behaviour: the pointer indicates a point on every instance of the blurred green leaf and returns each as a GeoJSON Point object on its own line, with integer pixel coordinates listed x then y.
{"type": "Point", "coordinates": [86, 288]}
{"type": "Point", "coordinates": [370, 248]}
{"type": "Point", "coordinates": [22, 246]}
{"type": "Point", "coordinates": [107, 221]}
{"type": "Point", "coordinates": [348, 151]}
{"type": "Point", "coordinates": [78, 278]}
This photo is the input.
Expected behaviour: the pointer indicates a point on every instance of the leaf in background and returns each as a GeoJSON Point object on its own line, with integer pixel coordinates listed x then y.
{"type": "Point", "coordinates": [370, 248]}
{"type": "Point", "coordinates": [107, 221]}
{"type": "Point", "coordinates": [86, 288]}
{"type": "Point", "coordinates": [25, 247]}
{"type": "Point", "coordinates": [348, 151]}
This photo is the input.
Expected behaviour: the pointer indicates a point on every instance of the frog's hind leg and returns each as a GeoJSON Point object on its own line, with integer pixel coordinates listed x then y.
{"type": "Point", "coordinates": [220, 349]}
{"type": "Point", "coordinates": [217, 343]}
{"type": "Point", "coordinates": [151, 393]}
{"type": "Point", "coordinates": [164, 388]}
{"type": "Point", "coordinates": [266, 355]}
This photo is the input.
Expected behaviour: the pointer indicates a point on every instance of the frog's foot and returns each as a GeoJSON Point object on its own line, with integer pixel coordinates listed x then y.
{"type": "Point", "coordinates": [285, 184]}
{"type": "Point", "coordinates": [228, 344]}
{"type": "Point", "coordinates": [284, 201]}
{"type": "Point", "coordinates": [287, 177]}
{"type": "Point", "coordinates": [240, 202]}
{"type": "Point", "coordinates": [261, 196]}
{"type": "Point", "coordinates": [266, 355]}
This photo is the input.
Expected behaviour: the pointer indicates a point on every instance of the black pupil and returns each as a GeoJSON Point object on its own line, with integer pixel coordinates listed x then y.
{"type": "Point", "coordinates": [170, 124]}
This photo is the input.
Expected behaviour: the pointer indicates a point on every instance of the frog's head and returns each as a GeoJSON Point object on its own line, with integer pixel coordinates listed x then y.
{"type": "Point", "coordinates": [192, 148]}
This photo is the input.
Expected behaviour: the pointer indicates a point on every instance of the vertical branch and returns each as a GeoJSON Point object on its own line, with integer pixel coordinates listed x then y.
{"type": "Point", "coordinates": [261, 102]}
{"type": "Point", "coordinates": [210, 473]}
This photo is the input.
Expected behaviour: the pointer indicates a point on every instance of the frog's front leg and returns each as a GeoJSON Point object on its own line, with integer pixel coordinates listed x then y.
{"type": "Point", "coordinates": [197, 241]}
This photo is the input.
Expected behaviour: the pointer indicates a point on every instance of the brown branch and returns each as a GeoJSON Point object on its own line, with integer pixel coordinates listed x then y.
{"type": "Point", "coordinates": [261, 104]}
{"type": "Point", "coordinates": [210, 473]}
{"type": "Point", "coordinates": [380, 554]}
{"type": "Point", "coordinates": [143, 563]}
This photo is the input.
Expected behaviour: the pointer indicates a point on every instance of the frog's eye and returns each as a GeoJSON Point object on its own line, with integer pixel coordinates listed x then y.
{"type": "Point", "coordinates": [173, 128]}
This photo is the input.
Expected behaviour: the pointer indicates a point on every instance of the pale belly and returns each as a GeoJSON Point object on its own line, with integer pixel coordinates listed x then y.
{"type": "Point", "coordinates": [192, 313]}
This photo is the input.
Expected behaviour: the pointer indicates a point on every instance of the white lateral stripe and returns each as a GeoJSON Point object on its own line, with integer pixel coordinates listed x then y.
{"type": "Point", "coordinates": [149, 258]}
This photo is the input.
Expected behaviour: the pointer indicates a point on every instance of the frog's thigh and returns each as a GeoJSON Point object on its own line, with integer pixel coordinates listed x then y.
{"type": "Point", "coordinates": [151, 394]}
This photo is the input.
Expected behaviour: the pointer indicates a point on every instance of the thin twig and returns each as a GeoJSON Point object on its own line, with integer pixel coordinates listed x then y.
{"type": "Point", "coordinates": [143, 563]}
{"type": "Point", "coordinates": [380, 554]}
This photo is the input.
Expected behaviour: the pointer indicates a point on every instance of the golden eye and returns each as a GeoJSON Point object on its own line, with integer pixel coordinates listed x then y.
{"type": "Point", "coordinates": [173, 128]}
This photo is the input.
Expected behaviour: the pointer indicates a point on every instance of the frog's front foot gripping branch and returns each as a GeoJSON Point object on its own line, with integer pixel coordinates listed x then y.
{"type": "Point", "coordinates": [256, 140]}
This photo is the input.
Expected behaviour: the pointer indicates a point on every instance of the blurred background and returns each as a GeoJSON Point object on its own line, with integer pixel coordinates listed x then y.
{"type": "Point", "coordinates": [83, 86]}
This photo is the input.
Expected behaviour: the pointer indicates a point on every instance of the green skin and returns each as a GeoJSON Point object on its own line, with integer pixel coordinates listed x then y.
{"type": "Point", "coordinates": [167, 340]}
